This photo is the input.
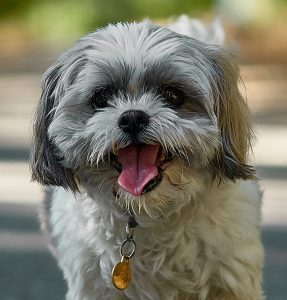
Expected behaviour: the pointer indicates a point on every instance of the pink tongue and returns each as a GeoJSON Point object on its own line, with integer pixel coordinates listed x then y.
{"type": "Point", "coordinates": [138, 167]}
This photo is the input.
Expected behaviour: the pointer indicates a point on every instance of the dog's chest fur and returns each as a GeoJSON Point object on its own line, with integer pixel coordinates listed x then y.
{"type": "Point", "coordinates": [200, 252]}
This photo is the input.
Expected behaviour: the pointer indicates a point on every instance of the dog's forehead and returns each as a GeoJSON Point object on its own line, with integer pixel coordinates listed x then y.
{"type": "Point", "coordinates": [136, 43]}
{"type": "Point", "coordinates": [135, 56]}
{"type": "Point", "coordinates": [130, 53]}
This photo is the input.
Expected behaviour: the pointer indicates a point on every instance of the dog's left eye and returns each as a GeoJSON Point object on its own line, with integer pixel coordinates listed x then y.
{"type": "Point", "coordinates": [100, 98]}
{"type": "Point", "coordinates": [172, 96]}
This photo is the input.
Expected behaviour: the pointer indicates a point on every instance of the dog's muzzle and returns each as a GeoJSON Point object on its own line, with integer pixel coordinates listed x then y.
{"type": "Point", "coordinates": [140, 165]}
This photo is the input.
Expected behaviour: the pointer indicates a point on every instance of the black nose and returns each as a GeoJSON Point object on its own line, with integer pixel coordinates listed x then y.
{"type": "Point", "coordinates": [133, 121]}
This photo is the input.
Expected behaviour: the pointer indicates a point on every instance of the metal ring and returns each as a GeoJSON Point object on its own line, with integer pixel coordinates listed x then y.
{"type": "Point", "coordinates": [133, 250]}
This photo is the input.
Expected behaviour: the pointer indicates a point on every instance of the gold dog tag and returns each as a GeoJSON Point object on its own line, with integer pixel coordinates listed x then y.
{"type": "Point", "coordinates": [121, 274]}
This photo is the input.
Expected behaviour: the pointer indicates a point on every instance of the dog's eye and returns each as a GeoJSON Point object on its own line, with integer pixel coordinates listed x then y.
{"type": "Point", "coordinates": [172, 96]}
{"type": "Point", "coordinates": [100, 98]}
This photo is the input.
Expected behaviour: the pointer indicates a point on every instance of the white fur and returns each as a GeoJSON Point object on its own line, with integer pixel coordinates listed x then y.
{"type": "Point", "coordinates": [210, 245]}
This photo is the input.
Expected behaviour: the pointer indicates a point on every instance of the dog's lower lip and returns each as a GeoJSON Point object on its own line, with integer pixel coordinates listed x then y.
{"type": "Point", "coordinates": [153, 183]}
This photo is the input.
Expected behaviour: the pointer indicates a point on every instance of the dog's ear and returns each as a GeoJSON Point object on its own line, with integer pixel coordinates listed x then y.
{"type": "Point", "coordinates": [232, 119]}
{"type": "Point", "coordinates": [44, 161]}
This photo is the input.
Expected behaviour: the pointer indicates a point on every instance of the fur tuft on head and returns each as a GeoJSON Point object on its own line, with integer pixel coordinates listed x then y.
{"type": "Point", "coordinates": [212, 33]}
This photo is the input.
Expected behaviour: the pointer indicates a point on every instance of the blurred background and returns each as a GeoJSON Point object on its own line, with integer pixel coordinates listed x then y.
{"type": "Point", "coordinates": [34, 32]}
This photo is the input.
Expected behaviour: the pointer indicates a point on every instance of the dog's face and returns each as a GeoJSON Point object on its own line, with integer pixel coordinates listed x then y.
{"type": "Point", "coordinates": [138, 112]}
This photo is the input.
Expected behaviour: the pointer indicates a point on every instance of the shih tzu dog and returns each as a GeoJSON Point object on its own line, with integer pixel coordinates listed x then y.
{"type": "Point", "coordinates": [142, 137]}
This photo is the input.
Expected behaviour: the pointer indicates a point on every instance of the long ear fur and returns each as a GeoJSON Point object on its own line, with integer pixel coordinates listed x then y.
{"type": "Point", "coordinates": [45, 163]}
{"type": "Point", "coordinates": [233, 121]}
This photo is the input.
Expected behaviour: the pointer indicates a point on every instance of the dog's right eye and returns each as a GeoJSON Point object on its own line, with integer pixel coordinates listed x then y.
{"type": "Point", "coordinates": [172, 96]}
{"type": "Point", "coordinates": [100, 98]}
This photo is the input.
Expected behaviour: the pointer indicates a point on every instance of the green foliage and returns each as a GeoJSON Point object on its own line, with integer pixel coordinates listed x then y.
{"type": "Point", "coordinates": [14, 8]}
{"type": "Point", "coordinates": [114, 11]}
{"type": "Point", "coordinates": [55, 19]}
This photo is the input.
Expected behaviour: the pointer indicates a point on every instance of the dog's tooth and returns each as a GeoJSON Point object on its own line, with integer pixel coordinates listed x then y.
{"type": "Point", "coordinates": [162, 157]}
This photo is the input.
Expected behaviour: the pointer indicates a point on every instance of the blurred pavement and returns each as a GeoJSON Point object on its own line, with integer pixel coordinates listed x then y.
{"type": "Point", "coordinates": [28, 272]}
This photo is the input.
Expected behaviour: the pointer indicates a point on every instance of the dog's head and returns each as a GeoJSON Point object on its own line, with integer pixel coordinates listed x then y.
{"type": "Point", "coordinates": [139, 110]}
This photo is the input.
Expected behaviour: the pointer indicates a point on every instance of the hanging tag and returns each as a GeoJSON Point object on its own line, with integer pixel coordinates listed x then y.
{"type": "Point", "coordinates": [121, 274]}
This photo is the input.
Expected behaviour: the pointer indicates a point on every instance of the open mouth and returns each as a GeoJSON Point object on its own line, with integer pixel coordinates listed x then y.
{"type": "Point", "coordinates": [141, 167]}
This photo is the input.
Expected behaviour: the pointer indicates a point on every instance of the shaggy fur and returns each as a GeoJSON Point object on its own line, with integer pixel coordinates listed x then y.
{"type": "Point", "coordinates": [198, 233]}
